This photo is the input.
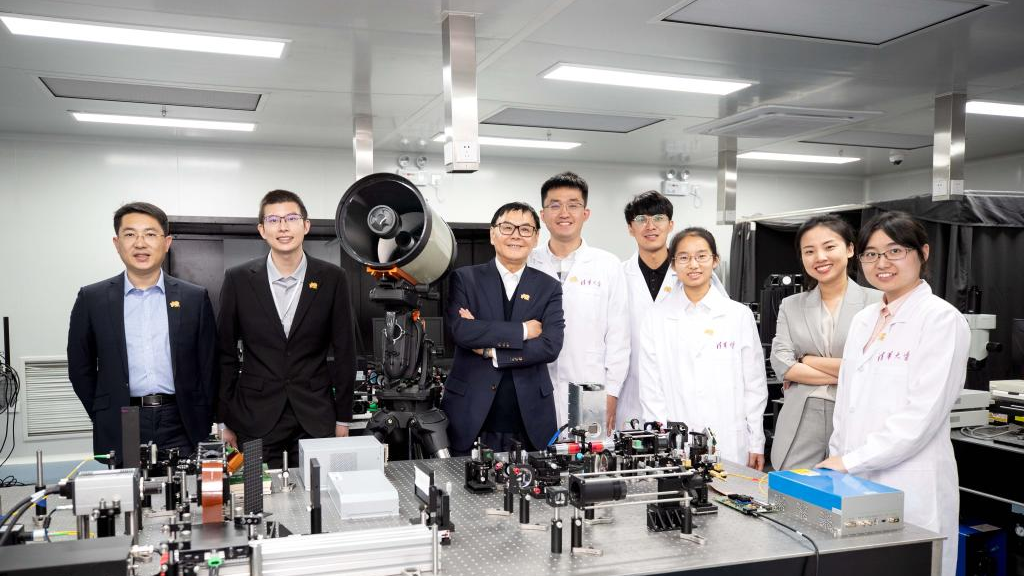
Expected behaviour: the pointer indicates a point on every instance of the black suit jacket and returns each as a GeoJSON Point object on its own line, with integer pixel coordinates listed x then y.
{"type": "Point", "coordinates": [276, 369]}
{"type": "Point", "coordinates": [473, 380]}
{"type": "Point", "coordinates": [98, 357]}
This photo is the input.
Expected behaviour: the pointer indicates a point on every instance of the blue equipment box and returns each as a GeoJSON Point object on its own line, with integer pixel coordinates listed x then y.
{"type": "Point", "coordinates": [835, 502]}
{"type": "Point", "coordinates": [982, 551]}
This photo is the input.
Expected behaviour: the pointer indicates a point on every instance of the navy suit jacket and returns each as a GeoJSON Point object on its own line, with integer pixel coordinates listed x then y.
{"type": "Point", "coordinates": [473, 380]}
{"type": "Point", "coordinates": [98, 357]}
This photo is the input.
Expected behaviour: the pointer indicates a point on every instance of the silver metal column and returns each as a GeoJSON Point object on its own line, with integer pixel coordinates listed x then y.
{"type": "Point", "coordinates": [82, 525]}
{"type": "Point", "coordinates": [362, 144]}
{"type": "Point", "coordinates": [461, 130]}
{"type": "Point", "coordinates": [727, 177]}
{"type": "Point", "coordinates": [949, 148]}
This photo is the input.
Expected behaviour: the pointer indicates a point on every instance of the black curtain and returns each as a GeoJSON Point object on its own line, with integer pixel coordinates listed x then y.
{"type": "Point", "coordinates": [742, 263]}
{"type": "Point", "coordinates": [975, 241]}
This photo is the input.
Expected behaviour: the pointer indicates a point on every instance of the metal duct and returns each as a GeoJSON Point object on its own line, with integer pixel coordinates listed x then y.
{"type": "Point", "coordinates": [727, 177]}
{"type": "Point", "coordinates": [461, 145]}
{"type": "Point", "coordinates": [362, 144]}
{"type": "Point", "coordinates": [950, 146]}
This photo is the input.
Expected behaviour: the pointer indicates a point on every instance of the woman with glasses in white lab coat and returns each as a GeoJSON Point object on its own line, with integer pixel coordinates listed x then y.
{"type": "Point", "coordinates": [904, 366]}
{"type": "Point", "coordinates": [701, 359]}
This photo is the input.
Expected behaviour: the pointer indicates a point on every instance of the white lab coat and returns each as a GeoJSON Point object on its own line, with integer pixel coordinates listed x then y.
{"type": "Point", "coordinates": [639, 303]}
{"type": "Point", "coordinates": [705, 368]}
{"type": "Point", "coordinates": [596, 344]}
{"type": "Point", "coordinates": [892, 408]}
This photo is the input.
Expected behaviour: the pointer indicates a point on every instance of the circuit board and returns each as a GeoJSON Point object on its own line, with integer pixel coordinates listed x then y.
{"type": "Point", "coordinates": [745, 504]}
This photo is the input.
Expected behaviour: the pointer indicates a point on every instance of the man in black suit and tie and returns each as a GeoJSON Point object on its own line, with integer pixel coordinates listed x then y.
{"type": "Point", "coordinates": [506, 320]}
{"type": "Point", "coordinates": [289, 311]}
{"type": "Point", "coordinates": [143, 338]}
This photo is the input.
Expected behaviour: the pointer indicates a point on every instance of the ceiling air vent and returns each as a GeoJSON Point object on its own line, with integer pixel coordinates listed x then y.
{"type": "Point", "coordinates": [149, 94]}
{"type": "Point", "coordinates": [863, 22]}
{"type": "Point", "coordinates": [779, 122]}
{"type": "Point", "coordinates": [871, 139]}
{"type": "Point", "coordinates": [559, 120]}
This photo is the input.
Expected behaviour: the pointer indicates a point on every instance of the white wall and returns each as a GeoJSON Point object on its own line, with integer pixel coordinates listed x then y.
{"type": "Point", "coordinates": [57, 197]}
{"type": "Point", "coordinates": [1004, 173]}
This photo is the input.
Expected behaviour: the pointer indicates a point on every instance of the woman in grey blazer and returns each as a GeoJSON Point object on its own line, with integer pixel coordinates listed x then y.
{"type": "Point", "coordinates": [809, 339]}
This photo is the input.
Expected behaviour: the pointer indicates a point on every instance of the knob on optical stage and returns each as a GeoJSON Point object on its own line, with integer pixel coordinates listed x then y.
{"type": "Point", "coordinates": [384, 223]}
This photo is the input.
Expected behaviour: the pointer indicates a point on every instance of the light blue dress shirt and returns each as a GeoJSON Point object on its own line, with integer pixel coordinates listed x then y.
{"type": "Point", "coordinates": [147, 339]}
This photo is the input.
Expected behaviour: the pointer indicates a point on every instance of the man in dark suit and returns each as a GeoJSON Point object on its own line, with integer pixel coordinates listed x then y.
{"type": "Point", "coordinates": [143, 338]}
{"type": "Point", "coordinates": [289, 311]}
{"type": "Point", "coordinates": [506, 320]}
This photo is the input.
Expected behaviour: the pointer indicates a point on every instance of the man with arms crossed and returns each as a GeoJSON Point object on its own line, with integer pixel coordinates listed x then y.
{"type": "Point", "coordinates": [506, 320]}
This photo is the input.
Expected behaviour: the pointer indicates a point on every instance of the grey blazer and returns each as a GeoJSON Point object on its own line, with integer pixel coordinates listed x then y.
{"type": "Point", "coordinates": [798, 333]}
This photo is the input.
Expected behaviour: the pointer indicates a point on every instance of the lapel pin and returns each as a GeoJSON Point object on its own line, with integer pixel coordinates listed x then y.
{"type": "Point", "coordinates": [709, 331]}
{"type": "Point", "coordinates": [525, 297]}
{"type": "Point", "coordinates": [573, 279]}
{"type": "Point", "coordinates": [313, 285]}
{"type": "Point", "coordinates": [667, 288]}
{"type": "Point", "coordinates": [175, 304]}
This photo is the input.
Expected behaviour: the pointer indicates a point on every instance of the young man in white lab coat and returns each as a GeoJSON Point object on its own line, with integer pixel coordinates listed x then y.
{"type": "Point", "coordinates": [649, 280]}
{"type": "Point", "coordinates": [596, 345]}
{"type": "Point", "coordinates": [904, 365]}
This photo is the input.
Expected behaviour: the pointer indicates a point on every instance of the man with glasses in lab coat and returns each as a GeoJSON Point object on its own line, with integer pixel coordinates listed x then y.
{"type": "Point", "coordinates": [596, 346]}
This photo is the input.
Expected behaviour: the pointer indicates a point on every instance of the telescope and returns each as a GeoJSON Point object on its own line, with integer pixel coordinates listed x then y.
{"type": "Point", "coordinates": [385, 224]}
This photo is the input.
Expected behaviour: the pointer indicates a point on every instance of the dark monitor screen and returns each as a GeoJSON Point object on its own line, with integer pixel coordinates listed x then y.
{"type": "Point", "coordinates": [435, 333]}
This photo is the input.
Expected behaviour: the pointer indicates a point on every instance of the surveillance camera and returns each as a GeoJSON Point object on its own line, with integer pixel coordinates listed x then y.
{"type": "Point", "coordinates": [896, 158]}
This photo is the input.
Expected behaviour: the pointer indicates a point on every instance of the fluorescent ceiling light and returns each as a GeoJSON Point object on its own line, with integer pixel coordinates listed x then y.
{"type": "Point", "coordinates": [150, 38]}
{"type": "Point", "coordinates": [995, 108]}
{"type": "Point", "coordinates": [637, 79]}
{"type": "Point", "coordinates": [164, 122]}
{"type": "Point", "coordinates": [520, 142]}
{"type": "Point", "coordinates": [797, 158]}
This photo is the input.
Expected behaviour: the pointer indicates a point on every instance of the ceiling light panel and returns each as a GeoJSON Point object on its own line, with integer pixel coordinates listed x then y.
{"type": "Point", "coordinates": [147, 94]}
{"type": "Point", "coordinates": [164, 122]}
{"type": "Point", "coordinates": [995, 108]}
{"type": "Point", "coordinates": [871, 139]}
{"type": "Point", "coordinates": [145, 37]}
{"type": "Point", "coordinates": [558, 120]}
{"type": "Point", "coordinates": [871, 22]}
{"type": "Point", "coordinates": [520, 142]}
{"type": "Point", "coordinates": [797, 158]}
{"type": "Point", "coordinates": [641, 79]}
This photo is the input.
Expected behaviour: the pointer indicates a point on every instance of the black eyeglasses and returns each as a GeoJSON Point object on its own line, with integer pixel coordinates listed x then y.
{"type": "Point", "coordinates": [507, 228]}
{"type": "Point", "coordinates": [894, 253]}
{"type": "Point", "coordinates": [289, 219]}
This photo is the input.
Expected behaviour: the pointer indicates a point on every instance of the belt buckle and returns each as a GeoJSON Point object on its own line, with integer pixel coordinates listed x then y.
{"type": "Point", "coordinates": [152, 401]}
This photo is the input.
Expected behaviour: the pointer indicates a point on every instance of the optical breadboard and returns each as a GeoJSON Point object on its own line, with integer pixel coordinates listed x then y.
{"type": "Point", "coordinates": [835, 503]}
{"type": "Point", "coordinates": [362, 494]}
{"type": "Point", "coordinates": [340, 455]}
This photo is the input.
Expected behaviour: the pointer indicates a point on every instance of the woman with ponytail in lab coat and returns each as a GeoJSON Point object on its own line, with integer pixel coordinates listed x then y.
{"type": "Point", "coordinates": [701, 357]}
{"type": "Point", "coordinates": [904, 365]}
